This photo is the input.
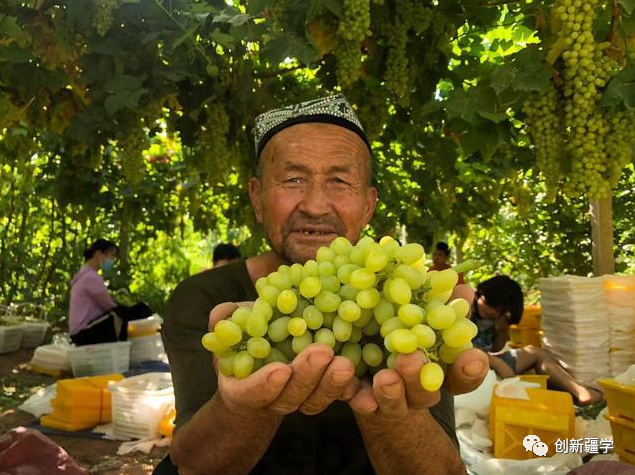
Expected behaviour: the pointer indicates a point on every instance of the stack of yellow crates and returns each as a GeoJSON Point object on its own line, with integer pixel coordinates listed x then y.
{"type": "Point", "coordinates": [528, 331]}
{"type": "Point", "coordinates": [81, 403]}
{"type": "Point", "coordinates": [620, 400]}
{"type": "Point", "coordinates": [547, 414]}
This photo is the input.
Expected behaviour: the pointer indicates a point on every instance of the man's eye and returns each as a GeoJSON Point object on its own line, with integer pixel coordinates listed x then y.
{"type": "Point", "coordinates": [293, 180]}
{"type": "Point", "coordinates": [340, 181]}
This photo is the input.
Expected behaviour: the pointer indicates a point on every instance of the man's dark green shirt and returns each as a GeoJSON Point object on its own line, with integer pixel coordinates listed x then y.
{"type": "Point", "coordinates": [327, 443]}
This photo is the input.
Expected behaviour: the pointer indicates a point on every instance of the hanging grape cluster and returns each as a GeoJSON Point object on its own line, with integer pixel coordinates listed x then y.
{"type": "Point", "coordinates": [352, 31]}
{"type": "Point", "coordinates": [130, 148]}
{"type": "Point", "coordinates": [579, 145]}
{"type": "Point", "coordinates": [213, 141]}
{"type": "Point", "coordinates": [103, 16]}
{"type": "Point", "coordinates": [369, 302]}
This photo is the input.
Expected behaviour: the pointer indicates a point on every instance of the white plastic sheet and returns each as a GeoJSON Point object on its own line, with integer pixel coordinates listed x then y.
{"type": "Point", "coordinates": [40, 402]}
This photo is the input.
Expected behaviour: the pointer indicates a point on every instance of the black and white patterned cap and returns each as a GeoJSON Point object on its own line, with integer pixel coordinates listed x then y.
{"type": "Point", "coordinates": [328, 110]}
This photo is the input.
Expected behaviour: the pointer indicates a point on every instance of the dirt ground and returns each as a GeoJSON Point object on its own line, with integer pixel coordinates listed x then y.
{"type": "Point", "coordinates": [98, 456]}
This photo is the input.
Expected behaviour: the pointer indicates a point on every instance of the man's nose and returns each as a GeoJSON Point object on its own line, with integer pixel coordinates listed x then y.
{"type": "Point", "coordinates": [315, 200]}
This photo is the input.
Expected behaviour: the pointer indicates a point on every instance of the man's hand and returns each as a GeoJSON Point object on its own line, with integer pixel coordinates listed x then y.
{"type": "Point", "coordinates": [394, 391]}
{"type": "Point", "coordinates": [313, 380]}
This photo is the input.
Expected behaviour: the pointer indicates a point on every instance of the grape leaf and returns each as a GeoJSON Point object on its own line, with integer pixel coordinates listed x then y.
{"type": "Point", "coordinates": [628, 5]}
{"type": "Point", "coordinates": [620, 90]}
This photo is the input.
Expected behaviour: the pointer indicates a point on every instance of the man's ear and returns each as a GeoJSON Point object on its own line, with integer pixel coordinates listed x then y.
{"type": "Point", "coordinates": [371, 203]}
{"type": "Point", "coordinates": [255, 195]}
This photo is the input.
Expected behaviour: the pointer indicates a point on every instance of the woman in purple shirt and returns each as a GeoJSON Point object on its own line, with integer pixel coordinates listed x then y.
{"type": "Point", "coordinates": [94, 317]}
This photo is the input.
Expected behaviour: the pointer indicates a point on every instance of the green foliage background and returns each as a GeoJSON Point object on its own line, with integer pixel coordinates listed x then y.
{"type": "Point", "coordinates": [131, 120]}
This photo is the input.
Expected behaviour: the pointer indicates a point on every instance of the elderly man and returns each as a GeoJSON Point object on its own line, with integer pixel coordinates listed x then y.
{"type": "Point", "coordinates": [312, 416]}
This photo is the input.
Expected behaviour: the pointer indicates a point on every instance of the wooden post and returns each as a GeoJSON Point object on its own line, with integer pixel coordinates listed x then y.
{"type": "Point", "coordinates": [458, 250]}
{"type": "Point", "coordinates": [602, 236]}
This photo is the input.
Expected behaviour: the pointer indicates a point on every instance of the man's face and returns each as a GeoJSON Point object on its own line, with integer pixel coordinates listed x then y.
{"type": "Point", "coordinates": [313, 187]}
{"type": "Point", "coordinates": [439, 257]}
{"type": "Point", "coordinates": [487, 311]}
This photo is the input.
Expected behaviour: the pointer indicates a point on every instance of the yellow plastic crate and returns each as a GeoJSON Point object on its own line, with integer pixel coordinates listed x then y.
{"type": "Point", "coordinates": [523, 336]}
{"type": "Point", "coordinates": [166, 426]}
{"type": "Point", "coordinates": [56, 373]}
{"type": "Point", "coordinates": [620, 399]}
{"type": "Point", "coordinates": [535, 378]}
{"type": "Point", "coordinates": [60, 424]}
{"type": "Point", "coordinates": [82, 413]}
{"type": "Point", "coordinates": [547, 414]}
{"type": "Point", "coordinates": [532, 317]}
{"type": "Point", "coordinates": [623, 436]}
{"type": "Point", "coordinates": [88, 391]}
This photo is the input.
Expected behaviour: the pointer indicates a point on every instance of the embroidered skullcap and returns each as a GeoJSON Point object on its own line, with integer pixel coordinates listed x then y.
{"type": "Point", "coordinates": [328, 110]}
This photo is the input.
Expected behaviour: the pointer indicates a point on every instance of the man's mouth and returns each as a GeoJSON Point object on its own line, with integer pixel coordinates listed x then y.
{"type": "Point", "coordinates": [308, 231]}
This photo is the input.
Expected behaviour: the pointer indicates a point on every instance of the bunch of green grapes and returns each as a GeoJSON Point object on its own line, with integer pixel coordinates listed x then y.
{"type": "Point", "coordinates": [349, 62]}
{"type": "Point", "coordinates": [619, 144]}
{"type": "Point", "coordinates": [355, 26]}
{"type": "Point", "coordinates": [546, 129]}
{"type": "Point", "coordinates": [130, 150]}
{"type": "Point", "coordinates": [213, 138]}
{"type": "Point", "coordinates": [396, 75]}
{"type": "Point", "coordinates": [278, 12]}
{"type": "Point", "coordinates": [373, 113]}
{"type": "Point", "coordinates": [103, 16]}
{"type": "Point", "coordinates": [370, 302]}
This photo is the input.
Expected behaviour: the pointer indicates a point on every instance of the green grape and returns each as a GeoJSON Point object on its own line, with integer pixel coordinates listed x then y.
{"type": "Point", "coordinates": [329, 318]}
{"type": "Point", "coordinates": [444, 280]}
{"type": "Point", "coordinates": [391, 361]}
{"type": "Point", "coordinates": [353, 352]}
{"type": "Point", "coordinates": [326, 268]}
{"type": "Point", "coordinates": [299, 343]}
{"type": "Point", "coordinates": [383, 311]}
{"type": "Point", "coordinates": [295, 274]}
{"type": "Point", "coordinates": [341, 246]}
{"type": "Point", "coordinates": [461, 307]}
{"type": "Point", "coordinates": [348, 292]}
{"type": "Point", "coordinates": [260, 283]}
{"type": "Point", "coordinates": [269, 294]}
{"type": "Point", "coordinates": [277, 330]}
{"type": "Point", "coordinates": [357, 257]}
{"type": "Point", "coordinates": [409, 253]}
{"type": "Point", "coordinates": [431, 376]}
{"type": "Point", "coordinates": [279, 280]}
{"type": "Point", "coordinates": [441, 317]}
{"type": "Point", "coordinates": [212, 343]}
{"type": "Point", "coordinates": [297, 326]}
{"type": "Point", "coordinates": [361, 369]}
{"type": "Point", "coordinates": [344, 273]}
{"type": "Point", "coordinates": [389, 345]}
{"type": "Point", "coordinates": [340, 261]}
{"type": "Point", "coordinates": [356, 335]}
{"type": "Point", "coordinates": [310, 269]}
{"type": "Point", "coordinates": [426, 337]}
{"type": "Point", "coordinates": [376, 260]}
{"type": "Point", "coordinates": [310, 287]}
{"type": "Point", "coordinates": [449, 354]}
{"type": "Point", "coordinates": [365, 317]}
{"type": "Point", "coordinates": [385, 291]}
{"type": "Point", "coordinates": [364, 242]}
{"type": "Point", "coordinates": [240, 316]}
{"type": "Point", "coordinates": [324, 254]}
{"type": "Point", "coordinates": [342, 329]}
{"type": "Point", "coordinates": [368, 298]}
{"type": "Point", "coordinates": [411, 314]}
{"type": "Point", "coordinates": [313, 317]}
{"type": "Point", "coordinates": [372, 354]}
{"type": "Point", "coordinates": [243, 364]}
{"type": "Point", "coordinates": [287, 301]}
{"type": "Point", "coordinates": [458, 334]}
{"type": "Point", "coordinates": [403, 340]}
{"type": "Point", "coordinates": [256, 325]}
{"type": "Point", "coordinates": [258, 347]}
{"type": "Point", "coordinates": [400, 291]}
{"type": "Point", "coordinates": [372, 328]}
{"type": "Point", "coordinates": [363, 279]}
{"type": "Point", "coordinates": [285, 269]}
{"type": "Point", "coordinates": [276, 356]}
{"type": "Point", "coordinates": [349, 311]}
{"type": "Point", "coordinates": [389, 245]}
{"type": "Point", "coordinates": [327, 301]}
{"type": "Point", "coordinates": [325, 336]}
{"type": "Point", "coordinates": [440, 295]}
{"type": "Point", "coordinates": [299, 309]}
{"type": "Point", "coordinates": [413, 277]}
{"type": "Point", "coordinates": [228, 332]}
{"type": "Point", "coordinates": [330, 283]}
{"type": "Point", "coordinates": [263, 308]}
{"type": "Point", "coordinates": [226, 364]}
{"type": "Point", "coordinates": [390, 325]}
{"type": "Point", "coordinates": [286, 348]}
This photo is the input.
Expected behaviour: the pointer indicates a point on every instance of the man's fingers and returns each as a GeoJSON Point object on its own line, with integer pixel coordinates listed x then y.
{"type": "Point", "coordinates": [256, 390]}
{"type": "Point", "coordinates": [390, 393]}
{"type": "Point", "coordinates": [468, 372]}
{"type": "Point", "coordinates": [223, 311]}
{"type": "Point", "coordinates": [364, 402]}
{"type": "Point", "coordinates": [339, 374]}
{"type": "Point", "coordinates": [409, 367]}
{"type": "Point", "coordinates": [308, 368]}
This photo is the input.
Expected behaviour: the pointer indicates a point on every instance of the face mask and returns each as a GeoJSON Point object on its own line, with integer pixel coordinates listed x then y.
{"type": "Point", "coordinates": [106, 265]}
